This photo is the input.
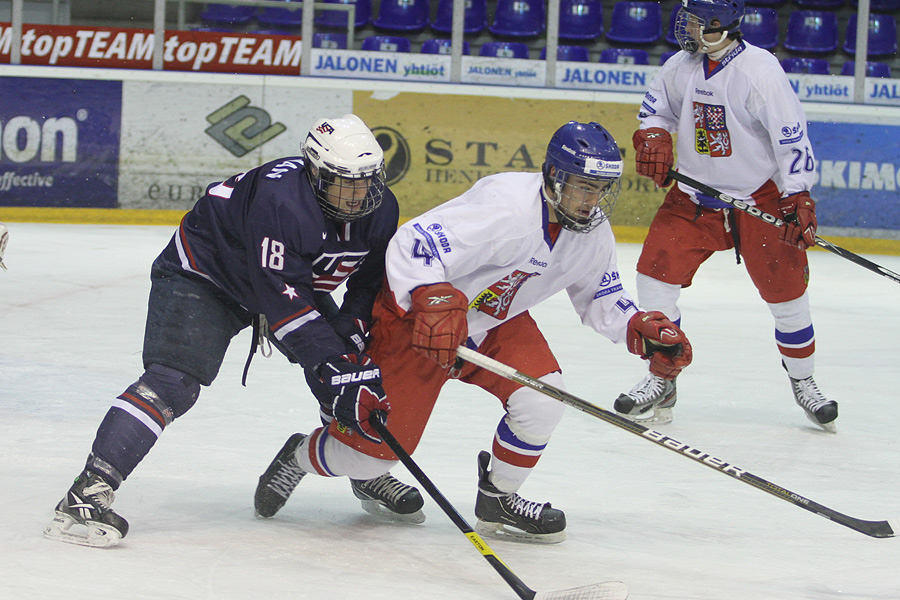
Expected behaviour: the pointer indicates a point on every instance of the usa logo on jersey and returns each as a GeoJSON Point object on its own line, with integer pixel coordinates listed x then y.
{"type": "Point", "coordinates": [710, 130]}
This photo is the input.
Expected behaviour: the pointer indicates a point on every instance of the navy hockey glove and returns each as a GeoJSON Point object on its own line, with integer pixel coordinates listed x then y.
{"type": "Point", "coordinates": [655, 338]}
{"type": "Point", "coordinates": [654, 156]}
{"type": "Point", "coordinates": [799, 213]}
{"type": "Point", "coordinates": [440, 321]}
{"type": "Point", "coordinates": [355, 385]}
{"type": "Point", "coordinates": [354, 332]}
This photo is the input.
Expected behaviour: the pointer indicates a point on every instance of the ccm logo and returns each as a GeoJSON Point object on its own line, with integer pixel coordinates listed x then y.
{"type": "Point", "coordinates": [354, 377]}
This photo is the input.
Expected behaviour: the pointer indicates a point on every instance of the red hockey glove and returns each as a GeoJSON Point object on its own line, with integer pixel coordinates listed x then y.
{"type": "Point", "coordinates": [440, 321]}
{"type": "Point", "coordinates": [799, 213]}
{"type": "Point", "coordinates": [652, 336]}
{"type": "Point", "coordinates": [654, 155]}
{"type": "Point", "coordinates": [355, 384]}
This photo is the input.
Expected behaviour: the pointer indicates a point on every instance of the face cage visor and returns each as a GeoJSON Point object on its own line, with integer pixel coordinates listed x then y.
{"type": "Point", "coordinates": [690, 29]}
{"type": "Point", "coordinates": [339, 195]}
{"type": "Point", "coordinates": [582, 203]}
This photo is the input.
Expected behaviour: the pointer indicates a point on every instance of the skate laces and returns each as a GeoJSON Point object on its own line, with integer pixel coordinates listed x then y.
{"type": "Point", "coordinates": [100, 493]}
{"type": "Point", "coordinates": [649, 389]}
{"type": "Point", "coordinates": [809, 395]}
{"type": "Point", "coordinates": [386, 487]}
{"type": "Point", "coordinates": [287, 478]}
{"type": "Point", "coordinates": [521, 506]}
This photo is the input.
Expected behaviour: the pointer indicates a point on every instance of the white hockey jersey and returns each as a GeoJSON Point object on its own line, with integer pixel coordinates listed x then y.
{"type": "Point", "coordinates": [492, 243]}
{"type": "Point", "coordinates": [738, 126]}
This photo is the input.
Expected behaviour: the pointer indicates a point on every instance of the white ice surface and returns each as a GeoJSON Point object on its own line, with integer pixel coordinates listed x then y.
{"type": "Point", "coordinates": [72, 308]}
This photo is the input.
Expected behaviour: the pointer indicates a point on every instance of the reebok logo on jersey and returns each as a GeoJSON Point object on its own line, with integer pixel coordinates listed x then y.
{"type": "Point", "coordinates": [434, 300]}
{"type": "Point", "coordinates": [355, 377]}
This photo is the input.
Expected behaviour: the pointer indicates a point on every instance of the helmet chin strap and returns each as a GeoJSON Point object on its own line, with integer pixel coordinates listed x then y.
{"type": "Point", "coordinates": [707, 46]}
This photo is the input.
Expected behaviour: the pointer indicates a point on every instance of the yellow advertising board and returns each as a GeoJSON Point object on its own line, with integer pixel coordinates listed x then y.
{"type": "Point", "coordinates": [437, 146]}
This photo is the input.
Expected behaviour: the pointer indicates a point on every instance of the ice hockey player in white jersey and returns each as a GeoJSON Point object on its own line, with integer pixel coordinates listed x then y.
{"type": "Point", "coordinates": [467, 272]}
{"type": "Point", "coordinates": [742, 130]}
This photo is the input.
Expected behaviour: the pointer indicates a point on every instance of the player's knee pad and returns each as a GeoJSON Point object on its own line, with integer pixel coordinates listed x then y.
{"type": "Point", "coordinates": [792, 315]}
{"type": "Point", "coordinates": [654, 294]}
{"type": "Point", "coordinates": [170, 391]}
{"type": "Point", "coordinates": [532, 416]}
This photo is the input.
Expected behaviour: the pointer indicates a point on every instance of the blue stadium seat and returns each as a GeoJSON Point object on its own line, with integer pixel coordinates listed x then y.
{"type": "Point", "coordinates": [811, 66]}
{"type": "Point", "coordinates": [580, 19]}
{"type": "Point", "coordinates": [666, 56]}
{"type": "Point", "coordinates": [386, 43]}
{"type": "Point", "coordinates": [228, 14]}
{"type": "Point", "coordinates": [882, 35]}
{"type": "Point", "coordinates": [881, 6]}
{"type": "Point", "coordinates": [275, 32]}
{"type": "Point", "coordinates": [330, 40]}
{"type": "Point", "coordinates": [441, 46]}
{"type": "Point", "coordinates": [569, 53]}
{"type": "Point", "coordinates": [635, 23]}
{"type": "Point", "coordinates": [670, 32]}
{"type": "Point", "coordinates": [474, 16]}
{"type": "Point", "coordinates": [518, 18]}
{"type": "Point", "coordinates": [402, 15]}
{"type": "Point", "coordinates": [282, 17]}
{"type": "Point", "coordinates": [338, 19]}
{"type": "Point", "coordinates": [625, 56]}
{"type": "Point", "coordinates": [819, 3]}
{"type": "Point", "coordinates": [760, 26]}
{"type": "Point", "coordinates": [873, 69]}
{"type": "Point", "coordinates": [770, 3]}
{"type": "Point", "coordinates": [812, 31]}
{"type": "Point", "coordinates": [504, 49]}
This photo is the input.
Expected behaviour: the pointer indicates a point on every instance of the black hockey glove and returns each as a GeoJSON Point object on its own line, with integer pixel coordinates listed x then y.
{"type": "Point", "coordinates": [354, 384]}
{"type": "Point", "coordinates": [354, 332]}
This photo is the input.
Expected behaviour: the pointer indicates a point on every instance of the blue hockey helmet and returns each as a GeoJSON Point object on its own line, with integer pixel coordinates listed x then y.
{"type": "Point", "coordinates": [583, 168]}
{"type": "Point", "coordinates": [695, 18]}
{"type": "Point", "coordinates": [345, 166]}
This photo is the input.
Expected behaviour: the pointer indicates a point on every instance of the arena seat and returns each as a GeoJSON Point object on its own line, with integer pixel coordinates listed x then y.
{"type": "Point", "coordinates": [474, 16]}
{"type": "Point", "coordinates": [670, 32]}
{"type": "Point", "coordinates": [873, 69]}
{"type": "Point", "coordinates": [666, 56]}
{"type": "Point", "coordinates": [812, 31]}
{"type": "Point", "coordinates": [814, 4]}
{"type": "Point", "coordinates": [504, 49]}
{"type": "Point", "coordinates": [882, 35]}
{"type": "Point", "coordinates": [880, 6]}
{"type": "Point", "coordinates": [386, 43]}
{"type": "Point", "coordinates": [811, 66]}
{"type": "Point", "coordinates": [441, 46]}
{"type": "Point", "coordinates": [281, 17]}
{"type": "Point", "coordinates": [769, 3]}
{"type": "Point", "coordinates": [625, 56]}
{"type": "Point", "coordinates": [580, 19]}
{"type": "Point", "coordinates": [518, 18]}
{"type": "Point", "coordinates": [228, 14]}
{"type": "Point", "coordinates": [635, 22]}
{"type": "Point", "coordinates": [568, 53]}
{"type": "Point", "coordinates": [338, 19]}
{"type": "Point", "coordinates": [402, 15]}
{"type": "Point", "coordinates": [760, 26]}
{"type": "Point", "coordinates": [330, 40]}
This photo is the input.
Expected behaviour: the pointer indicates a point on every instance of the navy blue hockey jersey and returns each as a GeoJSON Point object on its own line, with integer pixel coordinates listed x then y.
{"type": "Point", "coordinates": [262, 239]}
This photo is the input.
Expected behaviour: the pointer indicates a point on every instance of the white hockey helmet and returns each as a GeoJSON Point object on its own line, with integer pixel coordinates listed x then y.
{"type": "Point", "coordinates": [344, 152]}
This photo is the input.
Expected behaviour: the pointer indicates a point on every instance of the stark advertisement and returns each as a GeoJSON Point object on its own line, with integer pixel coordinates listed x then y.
{"type": "Point", "coordinates": [178, 138]}
{"type": "Point", "coordinates": [59, 142]}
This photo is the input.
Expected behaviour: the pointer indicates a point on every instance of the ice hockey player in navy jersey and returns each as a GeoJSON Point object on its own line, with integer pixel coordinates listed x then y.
{"type": "Point", "coordinates": [468, 271]}
{"type": "Point", "coordinates": [263, 248]}
{"type": "Point", "coordinates": [741, 129]}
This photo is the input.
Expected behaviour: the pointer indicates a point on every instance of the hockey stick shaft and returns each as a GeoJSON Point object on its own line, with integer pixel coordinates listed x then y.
{"type": "Point", "coordinates": [523, 591]}
{"type": "Point", "coordinates": [777, 222]}
{"type": "Point", "coordinates": [877, 529]}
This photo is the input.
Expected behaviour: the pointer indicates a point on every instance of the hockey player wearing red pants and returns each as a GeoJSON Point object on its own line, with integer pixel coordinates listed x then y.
{"type": "Point", "coordinates": [467, 272]}
{"type": "Point", "coordinates": [274, 241]}
{"type": "Point", "coordinates": [740, 129]}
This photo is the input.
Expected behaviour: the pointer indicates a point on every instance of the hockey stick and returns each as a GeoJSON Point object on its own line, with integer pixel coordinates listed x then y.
{"type": "Point", "coordinates": [877, 529]}
{"type": "Point", "coordinates": [777, 222]}
{"type": "Point", "coordinates": [610, 590]}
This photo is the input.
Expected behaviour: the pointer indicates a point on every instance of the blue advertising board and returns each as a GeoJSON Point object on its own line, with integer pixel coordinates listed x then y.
{"type": "Point", "coordinates": [59, 142]}
{"type": "Point", "coordinates": [859, 175]}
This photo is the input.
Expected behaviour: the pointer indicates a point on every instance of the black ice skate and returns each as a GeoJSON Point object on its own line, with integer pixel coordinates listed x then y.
{"type": "Point", "coordinates": [651, 393]}
{"type": "Point", "coordinates": [280, 479]}
{"type": "Point", "coordinates": [386, 497]}
{"type": "Point", "coordinates": [511, 517]}
{"type": "Point", "coordinates": [87, 503]}
{"type": "Point", "coordinates": [819, 409]}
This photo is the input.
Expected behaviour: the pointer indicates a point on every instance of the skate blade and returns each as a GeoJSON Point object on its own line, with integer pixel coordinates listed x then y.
{"type": "Point", "coordinates": [660, 416]}
{"type": "Point", "coordinates": [94, 534]}
{"type": "Point", "coordinates": [829, 427]}
{"type": "Point", "coordinates": [383, 513]}
{"type": "Point", "coordinates": [608, 590]}
{"type": "Point", "coordinates": [501, 531]}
